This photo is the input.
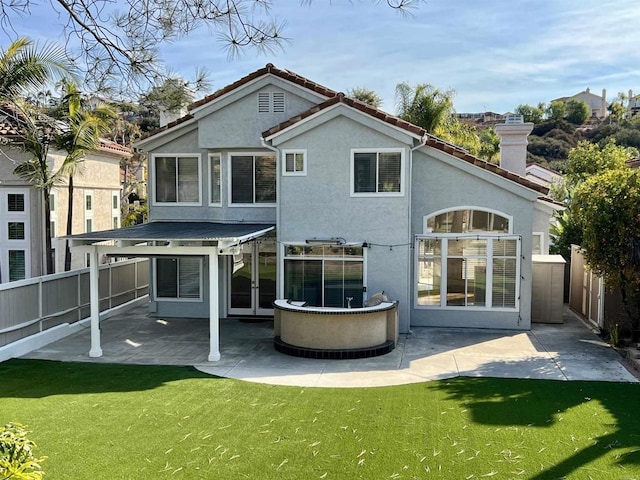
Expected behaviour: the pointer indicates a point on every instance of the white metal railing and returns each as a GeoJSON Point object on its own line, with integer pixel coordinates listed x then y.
{"type": "Point", "coordinates": [23, 304]}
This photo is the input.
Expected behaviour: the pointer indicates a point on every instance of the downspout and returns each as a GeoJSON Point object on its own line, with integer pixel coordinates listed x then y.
{"type": "Point", "coordinates": [279, 270]}
{"type": "Point", "coordinates": [411, 272]}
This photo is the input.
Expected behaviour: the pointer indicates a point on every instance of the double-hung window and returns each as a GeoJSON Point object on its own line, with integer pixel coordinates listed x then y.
{"type": "Point", "coordinates": [324, 275]}
{"type": "Point", "coordinates": [178, 278]}
{"type": "Point", "coordinates": [377, 172]}
{"type": "Point", "coordinates": [253, 179]}
{"type": "Point", "coordinates": [468, 259]}
{"type": "Point", "coordinates": [177, 179]}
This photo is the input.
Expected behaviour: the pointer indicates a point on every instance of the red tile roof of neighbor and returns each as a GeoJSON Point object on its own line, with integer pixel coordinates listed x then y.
{"type": "Point", "coordinates": [9, 126]}
{"type": "Point", "coordinates": [339, 97]}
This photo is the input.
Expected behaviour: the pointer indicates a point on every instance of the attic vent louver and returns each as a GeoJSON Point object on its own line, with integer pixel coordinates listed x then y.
{"type": "Point", "coordinates": [263, 103]}
{"type": "Point", "coordinates": [278, 102]}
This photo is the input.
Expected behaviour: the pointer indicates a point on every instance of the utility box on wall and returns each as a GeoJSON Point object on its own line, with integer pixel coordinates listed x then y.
{"type": "Point", "coordinates": [548, 287]}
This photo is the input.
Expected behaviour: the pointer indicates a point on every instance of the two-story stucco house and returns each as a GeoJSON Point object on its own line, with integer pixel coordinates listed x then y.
{"type": "Point", "coordinates": [277, 187]}
{"type": "Point", "coordinates": [96, 205]}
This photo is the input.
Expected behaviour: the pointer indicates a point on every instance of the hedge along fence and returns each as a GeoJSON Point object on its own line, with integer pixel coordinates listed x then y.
{"type": "Point", "coordinates": [37, 304]}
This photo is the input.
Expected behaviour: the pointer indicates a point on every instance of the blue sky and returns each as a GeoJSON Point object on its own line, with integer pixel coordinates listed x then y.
{"type": "Point", "coordinates": [495, 54]}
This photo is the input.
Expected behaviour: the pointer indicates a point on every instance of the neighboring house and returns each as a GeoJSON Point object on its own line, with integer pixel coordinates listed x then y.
{"type": "Point", "coordinates": [597, 104]}
{"type": "Point", "coordinates": [542, 175]}
{"type": "Point", "coordinates": [633, 105]}
{"type": "Point", "coordinates": [96, 206]}
{"type": "Point", "coordinates": [278, 187]}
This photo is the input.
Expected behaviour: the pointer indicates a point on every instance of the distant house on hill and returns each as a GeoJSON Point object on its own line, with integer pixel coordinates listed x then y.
{"type": "Point", "coordinates": [634, 104]}
{"type": "Point", "coordinates": [597, 104]}
{"type": "Point", "coordinates": [542, 175]}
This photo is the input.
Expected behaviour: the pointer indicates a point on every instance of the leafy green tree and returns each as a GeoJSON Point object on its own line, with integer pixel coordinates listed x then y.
{"type": "Point", "coordinates": [587, 159]}
{"type": "Point", "coordinates": [366, 95]}
{"type": "Point", "coordinates": [607, 209]}
{"type": "Point", "coordinates": [82, 134]}
{"type": "Point", "coordinates": [556, 110]}
{"type": "Point", "coordinates": [530, 113]}
{"type": "Point", "coordinates": [17, 458]}
{"type": "Point", "coordinates": [578, 111]}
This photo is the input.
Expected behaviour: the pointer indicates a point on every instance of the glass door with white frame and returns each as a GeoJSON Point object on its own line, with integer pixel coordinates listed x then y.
{"type": "Point", "coordinates": [253, 279]}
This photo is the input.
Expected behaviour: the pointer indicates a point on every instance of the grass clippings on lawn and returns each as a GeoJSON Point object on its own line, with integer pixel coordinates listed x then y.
{"type": "Point", "coordinates": [139, 422]}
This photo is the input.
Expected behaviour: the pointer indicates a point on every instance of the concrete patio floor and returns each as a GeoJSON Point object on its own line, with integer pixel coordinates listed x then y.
{"type": "Point", "coordinates": [569, 351]}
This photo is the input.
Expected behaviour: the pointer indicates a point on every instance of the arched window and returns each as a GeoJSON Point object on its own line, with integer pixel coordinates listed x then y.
{"type": "Point", "coordinates": [468, 220]}
{"type": "Point", "coordinates": [468, 258]}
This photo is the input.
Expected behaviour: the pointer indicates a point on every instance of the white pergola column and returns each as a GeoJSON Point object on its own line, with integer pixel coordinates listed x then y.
{"type": "Point", "coordinates": [214, 319]}
{"type": "Point", "coordinates": [94, 300]}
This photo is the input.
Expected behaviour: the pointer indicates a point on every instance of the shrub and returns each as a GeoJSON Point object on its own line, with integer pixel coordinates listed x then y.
{"type": "Point", "coordinates": [17, 460]}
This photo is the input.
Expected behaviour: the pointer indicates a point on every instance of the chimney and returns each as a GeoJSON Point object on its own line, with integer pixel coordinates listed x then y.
{"type": "Point", "coordinates": [167, 117]}
{"type": "Point", "coordinates": [603, 107]}
{"type": "Point", "coordinates": [513, 143]}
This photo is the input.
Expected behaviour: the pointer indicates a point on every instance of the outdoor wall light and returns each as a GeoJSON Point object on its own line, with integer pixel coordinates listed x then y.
{"type": "Point", "coordinates": [325, 241]}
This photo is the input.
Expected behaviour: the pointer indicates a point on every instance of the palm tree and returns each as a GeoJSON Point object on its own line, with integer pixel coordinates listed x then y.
{"type": "Point", "coordinates": [36, 133]}
{"type": "Point", "coordinates": [424, 105]}
{"type": "Point", "coordinates": [24, 67]}
{"type": "Point", "coordinates": [81, 135]}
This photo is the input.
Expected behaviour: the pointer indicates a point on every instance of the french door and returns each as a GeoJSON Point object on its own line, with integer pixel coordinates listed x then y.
{"type": "Point", "coordinates": [253, 283]}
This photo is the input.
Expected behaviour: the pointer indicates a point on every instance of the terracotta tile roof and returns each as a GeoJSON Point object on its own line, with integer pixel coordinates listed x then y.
{"type": "Point", "coordinates": [268, 69]}
{"type": "Point", "coordinates": [10, 121]}
{"type": "Point", "coordinates": [111, 146]}
{"type": "Point", "coordinates": [428, 139]}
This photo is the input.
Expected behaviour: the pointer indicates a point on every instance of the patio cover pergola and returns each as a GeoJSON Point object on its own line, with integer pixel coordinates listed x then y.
{"type": "Point", "coordinates": [171, 239]}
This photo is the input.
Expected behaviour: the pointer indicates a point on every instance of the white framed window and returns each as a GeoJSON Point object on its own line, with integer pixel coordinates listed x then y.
{"type": "Point", "coordinates": [15, 231]}
{"type": "Point", "coordinates": [324, 275]}
{"type": "Point", "coordinates": [52, 214]}
{"type": "Point", "coordinates": [215, 195]}
{"type": "Point", "coordinates": [294, 162]}
{"type": "Point", "coordinates": [88, 201]}
{"type": "Point", "coordinates": [468, 220]}
{"type": "Point", "coordinates": [178, 278]}
{"type": "Point", "coordinates": [271, 102]}
{"type": "Point", "coordinates": [115, 210]}
{"type": "Point", "coordinates": [17, 265]}
{"type": "Point", "coordinates": [15, 244]}
{"type": "Point", "coordinates": [468, 259]}
{"type": "Point", "coordinates": [16, 202]}
{"type": "Point", "coordinates": [377, 172]}
{"type": "Point", "coordinates": [252, 179]}
{"type": "Point", "coordinates": [88, 211]}
{"type": "Point", "coordinates": [176, 179]}
{"type": "Point", "coordinates": [537, 243]}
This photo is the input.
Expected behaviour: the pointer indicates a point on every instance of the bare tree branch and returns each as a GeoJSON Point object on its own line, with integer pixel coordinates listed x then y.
{"type": "Point", "coordinates": [116, 41]}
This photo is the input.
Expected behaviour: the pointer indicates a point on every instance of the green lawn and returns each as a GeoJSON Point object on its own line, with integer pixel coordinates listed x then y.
{"type": "Point", "coordinates": [151, 422]}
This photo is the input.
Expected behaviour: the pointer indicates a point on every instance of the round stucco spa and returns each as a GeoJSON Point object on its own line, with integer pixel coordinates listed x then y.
{"type": "Point", "coordinates": [335, 333]}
